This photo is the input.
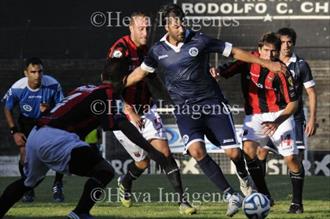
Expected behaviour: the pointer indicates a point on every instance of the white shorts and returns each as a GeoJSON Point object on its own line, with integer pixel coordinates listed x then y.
{"type": "Point", "coordinates": [284, 137]}
{"type": "Point", "coordinates": [153, 129]}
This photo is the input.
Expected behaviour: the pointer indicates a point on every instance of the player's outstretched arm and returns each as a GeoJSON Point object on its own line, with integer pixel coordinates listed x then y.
{"type": "Point", "coordinates": [137, 75]}
{"type": "Point", "coordinates": [245, 56]}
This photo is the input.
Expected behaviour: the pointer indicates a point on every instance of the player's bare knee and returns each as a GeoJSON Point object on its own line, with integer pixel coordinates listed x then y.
{"type": "Point", "coordinates": [233, 153]}
{"type": "Point", "coordinates": [262, 153]}
{"type": "Point", "coordinates": [143, 164]}
{"type": "Point", "coordinates": [198, 154]}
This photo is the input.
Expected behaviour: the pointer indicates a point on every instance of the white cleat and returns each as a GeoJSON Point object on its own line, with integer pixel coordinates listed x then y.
{"type": "Point", "coordinates": [234, 203]}
{"type": "Point", "coordinates": [247, 185]}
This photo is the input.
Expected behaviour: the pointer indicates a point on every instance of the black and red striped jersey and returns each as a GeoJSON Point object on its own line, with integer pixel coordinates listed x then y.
{"type": "Point", "coordinates": [138, 94]}
{"type": "Point", "coordinates": [263, 91]}
{"type": "Point", "coordinates": [85, 109]}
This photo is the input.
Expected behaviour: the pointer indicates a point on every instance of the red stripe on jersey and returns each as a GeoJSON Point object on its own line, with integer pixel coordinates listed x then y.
{"type": "Point", "coordinates": [138, 94]}
{"type": "Point", "coordinates": [285, 88]}
{"type": "Point", "coordinates": [271, 94]}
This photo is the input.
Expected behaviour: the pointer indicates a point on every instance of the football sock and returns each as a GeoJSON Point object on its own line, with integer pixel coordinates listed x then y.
{"type": "Point", "coordinates": [257, 175]}
{"type": "Point", "coordinates": [240, 166]}
{"type": "Point", "coordinates": [214, 173]}
{"type": "Point", "coordinates": [263, 164]}
{"type": "Point", "coordinates": [12, 194]}
{"type": "Point", "coordinates": [58, 178]}
{"type": "Point", "coordinates": [21, 169]}
{"type": "Point", "coordinates": [173, 174]}
{"type": "Point", "coordinates": [297, 181]}
{"type": "Point", "coordinates": [133, 172]}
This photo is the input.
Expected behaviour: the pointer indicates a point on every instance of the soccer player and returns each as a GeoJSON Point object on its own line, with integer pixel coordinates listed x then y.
{"type": "Point", "coordinates": [184, 57]}
{"type": "Point", "coordinates": [143, 115]}
{"type": "Point", "coordinates": [270, 102]}
{"type": "Point", "coordinates": [35, 94]}
{"type": "Point", "coordinates": [303, 78]}
{"type": "Point", "coordinates": [56, 142]}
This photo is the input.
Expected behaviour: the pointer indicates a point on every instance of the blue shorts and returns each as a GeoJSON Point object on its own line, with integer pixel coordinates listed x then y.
{"type": "Point", "coordinates": [211, 118]}
{"type": "Point", "coordinates": [300, 137]}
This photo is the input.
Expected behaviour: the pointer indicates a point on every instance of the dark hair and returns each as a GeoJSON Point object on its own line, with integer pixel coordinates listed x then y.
{"type": "Point", "coordinates": [115, 70]}
{"type": "Point", "coordinates": [32, 61]}
{"type": "Point", "coordinates": [286, 31]}
{"type": "Point", "coordinates": [171, 10]}
{"type": "Point", "coordinates": [270, 38]}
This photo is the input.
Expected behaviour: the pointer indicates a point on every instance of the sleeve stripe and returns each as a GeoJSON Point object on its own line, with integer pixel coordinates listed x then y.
{"type": "Point", "coordinates": [147, 68]}
{"type": "Point", "coordinates": [227, 51]}
{"type": "Point", "coordinates": [309, 84]}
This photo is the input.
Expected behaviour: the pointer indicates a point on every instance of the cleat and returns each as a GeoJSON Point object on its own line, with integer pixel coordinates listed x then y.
{"type": "Point", "coordinates": [58, 195]}
{"type": "Point", "coordinates": [271, 200]}
{"type": "Point", "coordinates": [234, 203]}
{"type": "Point", "coordinates": [124, 194]}
{"type": "Point", "coordinates": [247, 185]}
{"type": "Point", "coordinates": [73, 215]}
{"type": "Point", "coordinates": [186, 209]}
{"type": "Point", "coordinates": [296, 208]}
{"type": "Point", "coordinates": [28, 196]}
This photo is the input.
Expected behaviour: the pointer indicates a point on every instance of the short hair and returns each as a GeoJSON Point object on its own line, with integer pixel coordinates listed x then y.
{"type": "Point", "coordinates": [271, 38]}
{"type": "Point", "coordinates": [32, 61]}
{"type": "Point", "coordinates": [171, 10]}
{"type": "Point", "coordinates": [136, 14]}
{"type": "Point", "coordinates": [286, 31]}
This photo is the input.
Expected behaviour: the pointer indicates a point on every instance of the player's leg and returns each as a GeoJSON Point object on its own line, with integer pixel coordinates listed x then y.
{"type": "Point", "coordinates": [99, 172]}
{"type": "Point", "coordinates": [226, 138]}
{"type": "Point", "coordinates": [173, 175]}
{"type": "Point", "coordinates": [28, 195]}
{"type": "Point", "coordinates": [57, 188]}
{"type": "Point", "coordinates": [134, 169]}
{"type": "Point", "coordinates": [285, 139]}
{"type": "Point", "coordinates": [262, 154]}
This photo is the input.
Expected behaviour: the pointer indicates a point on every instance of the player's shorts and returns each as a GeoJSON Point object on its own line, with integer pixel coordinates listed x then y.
{"type": "Point", "coordinates": [300, 137]}
{"type": "Point", "coordinates": [211, 118]}
{"type": "Point", "coordinates": [153, 128]}
{"type": "Point", "coordinates": [284, 137]}
{"type": "Point", "coordinates": [48, 148]}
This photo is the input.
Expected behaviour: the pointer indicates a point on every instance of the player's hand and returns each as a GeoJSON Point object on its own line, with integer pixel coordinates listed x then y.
{"type": "Point", "coordinates": [19, 139]}
{"type": "Point", "coordinates": [136, 119]}
{"type": "Point", "coordinates": [269, 128]}
{"type": "Point", "coordinates": [310, 128]}
{"type": "Point", "coordinates": [215, 73]}
{"type": "Point", "coordinates": [44, 107]}
{"type": "Point", "coordinates": [277, 67]}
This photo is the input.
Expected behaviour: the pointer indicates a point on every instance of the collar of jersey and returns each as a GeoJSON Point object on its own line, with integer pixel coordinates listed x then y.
{"type": "Point", "coordinates": [175, 48]}
{"type": "Point", "coordinates": [293, 58]}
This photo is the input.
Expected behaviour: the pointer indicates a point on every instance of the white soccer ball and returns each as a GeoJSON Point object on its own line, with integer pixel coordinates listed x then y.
{"type": "Point", "coordinates": [256, 206]}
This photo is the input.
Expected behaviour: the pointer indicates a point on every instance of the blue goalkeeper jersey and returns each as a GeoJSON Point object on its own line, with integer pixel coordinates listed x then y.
{"type": "Point", "coordinates": [29, 100]}
{"type": "Point", "coordinates": [186, 66]}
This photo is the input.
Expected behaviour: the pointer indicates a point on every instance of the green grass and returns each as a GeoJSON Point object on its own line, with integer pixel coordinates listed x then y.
{"type": "Point", "coordinates": [316, 199]}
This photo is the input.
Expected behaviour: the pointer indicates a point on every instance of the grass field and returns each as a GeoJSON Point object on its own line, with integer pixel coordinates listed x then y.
{"type": "Point", "coordinates": [151, 202]}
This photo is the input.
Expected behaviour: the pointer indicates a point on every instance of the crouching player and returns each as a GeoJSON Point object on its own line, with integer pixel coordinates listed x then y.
{"type": "Point", "coordinates": [56, 142]}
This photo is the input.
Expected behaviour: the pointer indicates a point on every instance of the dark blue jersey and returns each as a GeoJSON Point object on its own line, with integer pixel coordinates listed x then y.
{"type": "Point", "coordinates": [303, 78]}
{"type": "Point", "coordinates": [186, 66]}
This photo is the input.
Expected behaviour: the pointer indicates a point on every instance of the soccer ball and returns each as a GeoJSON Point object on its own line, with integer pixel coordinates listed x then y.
{"type": "Point", "coordinates": [256, 206]}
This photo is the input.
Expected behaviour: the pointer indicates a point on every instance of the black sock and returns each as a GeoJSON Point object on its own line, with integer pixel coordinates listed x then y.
{"type": "Point", "coordinates": [172, 172]}
{"type": "Point", "coordinates": [214, 173]}
{"type": "Point", "coordinates": [297, 180]}
{"type": "Point", "coordinates": [240, 166]}
{"type": "Point", "coordinates": [257, 175]}
{"type": "Point", "coordinates": [12, 194]}
{"type": "Point", "coordinates": [21, 169]}
{"type": "Point", "coordinates": [263, 164]}
{"type": "Point", "coordinates": [58, 178]}
{"type": "Point", "coordinates": [86, 202]}
{"type": "Point", "coordinates": [133, 172]}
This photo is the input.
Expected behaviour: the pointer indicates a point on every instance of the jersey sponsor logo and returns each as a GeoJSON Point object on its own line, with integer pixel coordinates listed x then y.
{"type": "Point", "coordinates": [117, 54]}
{"type": "Point", "coordinates": [27, 107]}
{"type": "Point", "coordinates": [193, 51]}
{"type": "Point", "coordinates": [162, 57]}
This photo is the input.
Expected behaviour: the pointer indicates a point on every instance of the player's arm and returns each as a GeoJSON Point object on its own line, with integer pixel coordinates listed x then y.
{"type": "Point", "coordinates": [132, 115]}
{"type": "Point", "coordinates": [19, 137]}
{"type": "Point", "coordinates": [137, 75]}
{"type": "Point", "coordinates": [312, 100]}
{"type": "Point", "coordinates": [245, 56]}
